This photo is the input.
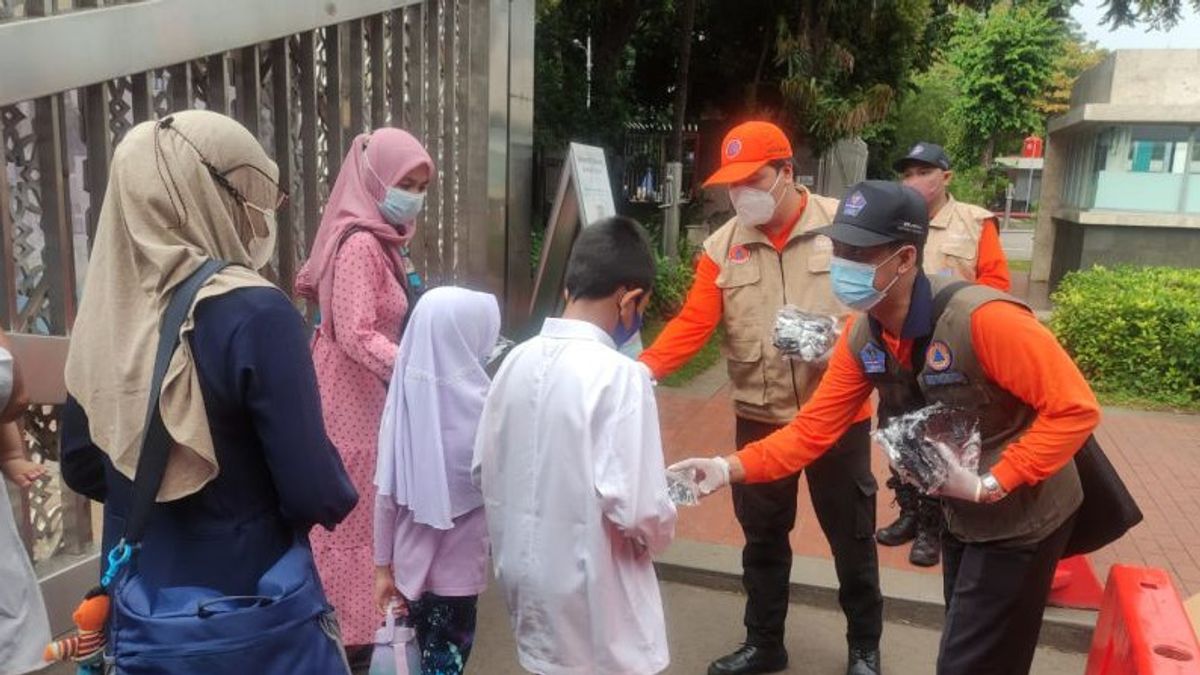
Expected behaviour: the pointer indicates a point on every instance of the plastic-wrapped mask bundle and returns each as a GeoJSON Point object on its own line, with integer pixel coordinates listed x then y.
{"type": "Point", "coordinates": [499, 350]}
{"type": "Point", "coordinates": [911, 442]}
{"type": "Point", "coordinates": [804, 336]}
{"type": "Point", "coordinates": [683, 488]}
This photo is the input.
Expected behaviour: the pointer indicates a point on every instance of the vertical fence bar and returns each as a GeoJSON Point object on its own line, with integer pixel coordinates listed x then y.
{"type": "Point", "coordinates": [334, 147]}
{"type": "Point", "coordinates": [414, 70]}
{"type": "Point", "coordinates": [58, 255]}
{"type": "Point", "coordinates": [249, 89]}
{"type": "Point", "coordinates": [179, 86]}
{"type": "Point", "coordinates": [356, 76]}
{"type": "Point", "coordinates": [396, 70]}
{"type": "Point", "coordinates": [142, 96]}
{"type": "Point", "coordinates": [485, 250]}
{"type": "Point", "coordinates": [99, 151]}
{"type": "Point", "coordinates": [432, 81]}
{"type": "Point", "coordinates": [450, 82]}
{"type": "Point", "coordinates": [281, 105]}
{"type": "Point", "coordinates": [8, 259]}
{"type": "Point", "coordinates": [308, 141]}
{"type": "Point", "coordinates": [376, 48]}
{"type": "Point", "coordinates": [218, 84]}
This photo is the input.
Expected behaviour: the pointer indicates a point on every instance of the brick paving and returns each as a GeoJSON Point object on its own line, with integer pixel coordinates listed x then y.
{"type": "Point", "coordinates": [1157, 454]}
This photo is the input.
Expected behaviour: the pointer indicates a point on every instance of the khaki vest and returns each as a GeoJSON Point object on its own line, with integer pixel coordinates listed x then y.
{"type": "Point", "coordinates": [1030, 513]}
{"type": "Point", "coordinates": [953, 244]}
{"type": "Point", "coordinates": [755, 281]}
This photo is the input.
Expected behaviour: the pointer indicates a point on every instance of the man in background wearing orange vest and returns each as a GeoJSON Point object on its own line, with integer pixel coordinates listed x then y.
{"type": "Point", "coordinates": [964, 242]}
{"type": "Point", "coordinates": [767, 256]}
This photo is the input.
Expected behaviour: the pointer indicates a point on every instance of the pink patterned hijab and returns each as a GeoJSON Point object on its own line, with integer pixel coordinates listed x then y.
{"type": "Point", "coordinates": [392, 153]}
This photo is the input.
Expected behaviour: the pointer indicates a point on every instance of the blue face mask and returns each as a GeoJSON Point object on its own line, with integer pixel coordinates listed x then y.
{"type": "Point", "coordinates": [623, 334]}
{"type": "Point", "coordinates": [400, 207]}
{"type": "Point", "coordinates": [854, 283]}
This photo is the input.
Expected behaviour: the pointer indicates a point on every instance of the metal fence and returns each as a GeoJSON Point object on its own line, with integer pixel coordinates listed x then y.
{"type": "Point", "coordinates": [305, 76]}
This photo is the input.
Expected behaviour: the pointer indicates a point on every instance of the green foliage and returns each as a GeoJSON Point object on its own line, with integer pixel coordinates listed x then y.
{"type": "Point", "coordinates": [1134, 332]}
{"type": "Point", "coordinates": [1156, 14]}
{"type": "Point", "coordinates": [977, 185]}
{"type": "Point", "coordinates": [708, 356]}
{"type": "Point", "coordinates": [1005, 60]}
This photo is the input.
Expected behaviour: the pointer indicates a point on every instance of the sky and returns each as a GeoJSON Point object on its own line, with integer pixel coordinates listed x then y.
{"type": "Point", "coordinates": [1185, 35]}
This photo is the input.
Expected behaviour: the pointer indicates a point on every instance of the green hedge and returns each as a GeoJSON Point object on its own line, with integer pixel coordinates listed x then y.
{"type": "Point", "coordinates": [1135, 332]}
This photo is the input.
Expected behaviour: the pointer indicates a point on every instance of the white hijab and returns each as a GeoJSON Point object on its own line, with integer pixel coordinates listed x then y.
{"type": "Point", "coordinates": [434, 403]}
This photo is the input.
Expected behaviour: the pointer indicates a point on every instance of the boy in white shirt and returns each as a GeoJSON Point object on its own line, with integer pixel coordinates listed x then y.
{"type": "Point", "coordinates": [570, 462]}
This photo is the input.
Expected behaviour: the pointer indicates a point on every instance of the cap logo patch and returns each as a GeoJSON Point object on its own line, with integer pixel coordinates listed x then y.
{"type": "Point", "coordinates": [739, 255]}
{"type": "Point", "coordinates": [938, 357]}
{"type": "Point", "coordinates": [854, 204]}
{"type": "Point", "coordinates": [734, 148]}
{"type": "Point", "coordinates": [911, 228]}
{"type": "Point", "coordinates": [917, 149]}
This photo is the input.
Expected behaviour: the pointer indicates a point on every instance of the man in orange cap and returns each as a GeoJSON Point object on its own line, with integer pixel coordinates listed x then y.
{"type": "Point", "coordinates": [767, 256]}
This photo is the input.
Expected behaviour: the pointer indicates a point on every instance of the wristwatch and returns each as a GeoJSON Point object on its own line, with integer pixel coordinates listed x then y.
{"type": "Point", "coordinates": [992, 491]}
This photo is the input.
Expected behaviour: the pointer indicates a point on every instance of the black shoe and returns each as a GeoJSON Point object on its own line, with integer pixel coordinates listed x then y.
{"type": "Point", "coordinates": [927, 549]}
{"type": "Point", "coordinates": [900, 532]}
{"type": "Point", "coordinates": [749, 659]}
{"type": "Point", "coordinates": [864, 662]}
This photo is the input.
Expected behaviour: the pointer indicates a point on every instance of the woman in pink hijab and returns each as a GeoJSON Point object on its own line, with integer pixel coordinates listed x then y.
{"type": "Point", "coordinates": [359, 274]}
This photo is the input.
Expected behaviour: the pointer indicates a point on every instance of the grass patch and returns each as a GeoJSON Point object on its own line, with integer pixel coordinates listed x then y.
{"type": "Point", "coordinates": [704, 359]}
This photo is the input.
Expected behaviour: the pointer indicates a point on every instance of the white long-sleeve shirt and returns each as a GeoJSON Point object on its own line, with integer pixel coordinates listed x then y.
{"type": "Point", "coordinates": [570, 462]}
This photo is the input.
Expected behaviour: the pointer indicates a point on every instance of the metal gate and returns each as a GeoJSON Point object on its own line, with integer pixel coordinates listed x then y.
{"type": "Point", "coordinates": [305, 76]}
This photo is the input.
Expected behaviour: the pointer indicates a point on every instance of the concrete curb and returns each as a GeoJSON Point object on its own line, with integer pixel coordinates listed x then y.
{"type": "Point", "coordinates": [909, 597]}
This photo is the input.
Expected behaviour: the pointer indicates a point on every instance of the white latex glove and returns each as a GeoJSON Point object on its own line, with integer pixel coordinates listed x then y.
{"type": "Point", "coordinates": [961, 483]}
{"type": "Point", "coordinates": [712, 473]}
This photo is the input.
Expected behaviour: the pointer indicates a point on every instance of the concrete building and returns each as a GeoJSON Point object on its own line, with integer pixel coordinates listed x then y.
{"type": "Point", "coordinates": [1121, 182]}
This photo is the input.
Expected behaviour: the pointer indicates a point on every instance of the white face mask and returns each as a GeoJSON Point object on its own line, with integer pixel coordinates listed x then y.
{"type": "Point", "coordinates": [754, 206]}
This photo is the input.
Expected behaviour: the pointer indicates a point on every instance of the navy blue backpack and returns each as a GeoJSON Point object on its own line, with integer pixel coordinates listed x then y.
{"type": "Point", "coordinates": [287, 626]}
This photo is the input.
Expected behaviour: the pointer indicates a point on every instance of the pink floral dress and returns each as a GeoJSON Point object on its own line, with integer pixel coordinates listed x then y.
{"type": "Point", "coordinates": [354, 359]}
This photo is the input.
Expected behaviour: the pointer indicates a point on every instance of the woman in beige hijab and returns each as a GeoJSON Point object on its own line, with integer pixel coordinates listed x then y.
{"type": "Point", "coordinates": [252, 468]}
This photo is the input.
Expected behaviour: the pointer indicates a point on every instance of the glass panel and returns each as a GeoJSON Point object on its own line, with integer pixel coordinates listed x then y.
{"type": "Point", "coordinates": [1141, 167]}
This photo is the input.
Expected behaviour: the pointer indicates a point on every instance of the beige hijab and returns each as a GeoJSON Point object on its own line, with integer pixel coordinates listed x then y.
{"type": "Point", "coordinates": [164, 214]}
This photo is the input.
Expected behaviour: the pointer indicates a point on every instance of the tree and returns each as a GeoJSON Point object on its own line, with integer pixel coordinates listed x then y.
{"type": "Point", "coordinates": [688, 21]}
{"type": "Point", "coordinates": [1157, 14]}
{"type": "Point", "coordinates": [1005, 60]}
{"type": "Point", "coordinates": [1077, 55]}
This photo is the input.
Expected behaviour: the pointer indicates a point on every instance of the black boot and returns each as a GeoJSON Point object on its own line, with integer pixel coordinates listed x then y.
{"type": "Point", "coordinates": [927, 549]}
{"type": "Point", "coordinates": [905, 528]}
{"type": "Point", "coordinates": [864, 662]}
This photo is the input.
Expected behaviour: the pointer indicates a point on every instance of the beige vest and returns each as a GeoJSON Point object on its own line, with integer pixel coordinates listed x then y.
{"type": "Point", "coordinates": [755, 281]}
{"type": "Point", "coordinates": [953, 244]}
{"type": "Point", "coordinates": [1027, 515]}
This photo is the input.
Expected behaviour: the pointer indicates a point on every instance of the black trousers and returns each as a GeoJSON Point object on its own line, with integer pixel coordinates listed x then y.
{"type": "Point", "coordinates": [843, 495]}
{"type": "Point", "coordinates": [995, 597]}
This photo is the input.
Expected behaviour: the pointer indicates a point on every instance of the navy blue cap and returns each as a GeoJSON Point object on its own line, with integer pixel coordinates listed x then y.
{"type": "Point", "coordinates": [925, 153]}
{"type": "Point", "coordinates": [877, 212]}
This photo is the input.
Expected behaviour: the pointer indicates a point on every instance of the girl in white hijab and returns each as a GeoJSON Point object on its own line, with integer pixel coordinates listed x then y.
{"type": "Point", "coordinates": [430, 533]}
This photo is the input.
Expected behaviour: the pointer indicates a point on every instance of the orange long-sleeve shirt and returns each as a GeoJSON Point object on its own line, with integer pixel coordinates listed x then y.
{"type": "Point", "coordinates": [991, 266]}
{"type": "Point", "coordinates": [1015, 351]}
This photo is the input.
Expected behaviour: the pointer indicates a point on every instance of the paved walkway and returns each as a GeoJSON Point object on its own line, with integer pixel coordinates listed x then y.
{"type": "Point", "coordinates": [1158, 455]}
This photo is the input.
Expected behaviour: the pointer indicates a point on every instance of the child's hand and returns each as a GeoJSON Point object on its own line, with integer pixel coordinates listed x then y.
{"type": "Point", "coordinates": [22, 471]}
{"type": "Point", "coordinates": [386, 592]}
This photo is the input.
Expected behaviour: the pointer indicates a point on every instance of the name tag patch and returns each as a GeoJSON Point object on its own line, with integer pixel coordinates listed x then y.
{"type": "Point", "coordinates": [943, 379]}
{"type": "Point", "coordinates": [873, 358]}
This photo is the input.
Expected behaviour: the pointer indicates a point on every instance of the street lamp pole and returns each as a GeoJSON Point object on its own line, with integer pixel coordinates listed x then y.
{"type": "Point", "coordinates": [587, 50]}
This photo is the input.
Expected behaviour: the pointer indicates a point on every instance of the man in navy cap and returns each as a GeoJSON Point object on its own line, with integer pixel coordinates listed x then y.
{"type": "Point", "coordinates": [934, 339]}
{"type": "Point", "coordinates": [964, 242]}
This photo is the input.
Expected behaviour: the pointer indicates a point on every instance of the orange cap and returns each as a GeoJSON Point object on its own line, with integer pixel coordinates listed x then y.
{"type": "Point", "coordinates": [746, 149]}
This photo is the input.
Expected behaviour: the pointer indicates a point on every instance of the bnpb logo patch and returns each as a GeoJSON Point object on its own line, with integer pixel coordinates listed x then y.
{"type": "Point", "coordinates": [854, 204]}
{"type": "Point", "coordinates": [939, 357]}
{"type": "Point", "coordinates": [734, 148]}
{"type": "Point", "coordinates": [739, 255]}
